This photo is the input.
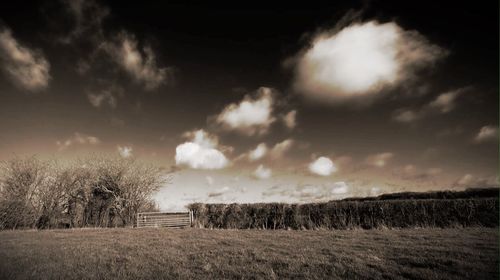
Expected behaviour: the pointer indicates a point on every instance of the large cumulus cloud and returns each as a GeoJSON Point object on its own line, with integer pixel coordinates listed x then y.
{"type": "Point", "coordinates": [360, 60]}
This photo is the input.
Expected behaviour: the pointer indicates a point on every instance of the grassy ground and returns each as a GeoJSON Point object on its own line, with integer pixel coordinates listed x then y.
{"type": "Point", "coordinates": [470, 253]}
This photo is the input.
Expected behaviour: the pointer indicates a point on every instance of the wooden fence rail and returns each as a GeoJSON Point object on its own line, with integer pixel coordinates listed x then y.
{"type": "Point", "coordinates": [165, 219]}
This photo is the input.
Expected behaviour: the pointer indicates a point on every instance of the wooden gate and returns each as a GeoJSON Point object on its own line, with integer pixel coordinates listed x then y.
{"type": "Point", "coordinates": [164, 219]}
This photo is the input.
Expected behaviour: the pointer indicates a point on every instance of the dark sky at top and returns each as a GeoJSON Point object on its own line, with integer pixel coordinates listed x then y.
{"type": "Point", "coordinates": [197, 59]}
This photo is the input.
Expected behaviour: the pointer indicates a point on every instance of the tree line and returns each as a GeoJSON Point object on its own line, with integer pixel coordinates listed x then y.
{"type": "Point", "coordinates": [93, 192]}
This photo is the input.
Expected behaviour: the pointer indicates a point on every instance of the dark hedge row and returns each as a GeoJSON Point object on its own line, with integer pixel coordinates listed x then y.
{"type": "Point", "coordinates": [350, 214]}
{"type": "Point", "coordinates": [468, 193]}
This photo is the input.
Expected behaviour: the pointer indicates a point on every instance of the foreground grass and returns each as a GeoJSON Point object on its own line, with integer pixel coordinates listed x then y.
{"type": "Point", "coordinates": [470, 253]}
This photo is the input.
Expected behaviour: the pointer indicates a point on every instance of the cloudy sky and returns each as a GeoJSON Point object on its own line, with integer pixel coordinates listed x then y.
{"type": "Point", "coordinates": [258, 103]}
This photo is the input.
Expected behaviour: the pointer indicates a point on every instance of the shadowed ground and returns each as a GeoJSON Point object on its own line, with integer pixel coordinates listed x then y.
{"type": "Point", "coordinates": [470, 253]}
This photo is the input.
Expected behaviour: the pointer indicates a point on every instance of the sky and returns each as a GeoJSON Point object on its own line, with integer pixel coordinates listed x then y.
{"type": "Point", "coordinates": [254, 103]}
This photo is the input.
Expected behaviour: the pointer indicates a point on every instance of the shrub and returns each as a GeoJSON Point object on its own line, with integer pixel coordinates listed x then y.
{"type": "Point", "coordinates": [367, 214]}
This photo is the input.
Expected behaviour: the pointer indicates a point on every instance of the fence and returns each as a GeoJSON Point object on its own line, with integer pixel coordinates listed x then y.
{"type": "Point", "coordinates": [165, 219]}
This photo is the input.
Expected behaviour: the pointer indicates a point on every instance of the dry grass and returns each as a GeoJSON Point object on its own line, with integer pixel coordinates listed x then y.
{"type": "Point", "coordinates": [470, 253]}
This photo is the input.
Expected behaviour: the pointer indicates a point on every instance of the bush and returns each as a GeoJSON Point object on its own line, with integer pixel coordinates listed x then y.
{"type": "Point", "coordinates": [368, 214]}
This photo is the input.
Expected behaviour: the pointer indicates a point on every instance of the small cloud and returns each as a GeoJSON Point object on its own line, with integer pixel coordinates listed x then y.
{"type": "Point", "coordinates": [322, 166]}
{"type": "Point", "coordinates": [200, 152]}
{"type": "Point", "coordinates": [78, 138]}
{"type": "Point", "coordinates": [405, 116]}
{"type": "Point", "coordinates": [486, 133]}
{"type": "Point", "coordinates": [87, 17]}
{"type": "Point", "coordinates": [446, 102]}
{"type": "Point", "coordinates": [219, 192]}
{"type": "Point", "coordinates": [375, 191]}
{"type": "Point", "coordinates": [310, 192]}
{"type": "Point", "coordinates": [357, 62]}
{"type": "Point", "coordinates": [471, 181]}
{"type": "Point", "coordinates": [141, 66]}
{"type": "Point", "coordinates": [250, 116]}
{"type": "Point", "coordinates": [466, 180]}
{"type": "Point", "coordinates": [262, 172]}
{"type": "Point", "coordinates": [379, 160]}
{"type": "Point", "coordinates": [411, 172]}
{"type": "Point", "coordinates": [339, 188]}
{"type": "Point", "coordinates": [27, 68]}
{"type": "Point", "coordinates": [106, 96]}
{"type": "Point", "coordinates": [125, 151]}
{"type": "Point", "coordinates": [259, 152]}
{"type": "Point", "coordinates": [290, 119]}
{"type": "Point", "coordinates": [279, 149]}
{"type": "Point", "coordinates": [442, 104]}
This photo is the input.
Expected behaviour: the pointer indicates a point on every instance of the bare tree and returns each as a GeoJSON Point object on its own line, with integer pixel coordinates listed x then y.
{"type": "Point", "coordinates": [97, 191]}
{"type": "Point", "coordinates": [22, 186]}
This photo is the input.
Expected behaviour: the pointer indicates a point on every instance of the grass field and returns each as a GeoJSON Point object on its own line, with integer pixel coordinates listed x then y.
{"type": "Point", "coordinates": [469, 253]}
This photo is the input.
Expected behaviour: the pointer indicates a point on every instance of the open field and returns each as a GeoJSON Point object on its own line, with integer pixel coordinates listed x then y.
{"type": "Point", "coordinates": [468, 253]}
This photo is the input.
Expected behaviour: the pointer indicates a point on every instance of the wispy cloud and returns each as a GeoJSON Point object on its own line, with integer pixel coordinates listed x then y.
{"type": "Point", "coordinates": [26, 67]}
{"type": "Point", "coordinates": [87, 16]}
{"type": "Point", "coordinates": [470, 181]}
{"type": "Point", "coordinates": [106, 96]}
{"type": "Point", "coordinates": [379, 160]}
{"type": "Point", "coordinates": [309, 192]}
{"type": "Point", "coordinates": [140, 65]}
{"type": "Point", "coordinates": [290, 119]}
{"type": "Point", "coordinates": [486, 133]}
{"type": "Point", "coordinates": [78, 139]}
{"type": "Point", "coordinates": [441, 104]}
{"type": "Point", "coordinates": [281, 148]}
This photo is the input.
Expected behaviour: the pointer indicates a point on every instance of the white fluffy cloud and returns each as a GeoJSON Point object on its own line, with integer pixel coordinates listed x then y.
{"type": "Point", "coordinates": [290, 119]}
{"type": "Point", "coordinates": [78, 138]}
{"type": "Point", "coordinates": [262, 172]}
{"type": "Point", "coordinates": [259, 152]}
{"type": "Point", "coordinates": [201, 152]}
{"type": "Point", "coordinates": [360, 60]}
{"type": "Point", "coordinates": [486, 133]}
{"type": "Point", "coordinates": [322, 166]}
{"type": "Point", "coordinates": [250, 116]}
{"type": "Point", "coordinates": [141, 66]}
{"type": "Point", "coordinates": [27, 68]}
{"type": "Point", "coordinates": [125, 151]}
{"type": "Point", "coordinates": [379, 160]}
